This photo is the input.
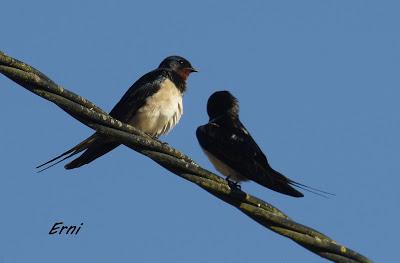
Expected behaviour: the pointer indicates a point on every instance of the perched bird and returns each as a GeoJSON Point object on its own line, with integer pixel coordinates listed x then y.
{"type": "Point", "coordinates": [153, 104]}
{"type": "Point", "coordinates": [234, 153]}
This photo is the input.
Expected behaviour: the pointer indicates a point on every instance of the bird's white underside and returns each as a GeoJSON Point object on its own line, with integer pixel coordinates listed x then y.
{"type": "Point", "coordinates": [224, 168]}
{"type": "Point", "coordinates": [161, 112]}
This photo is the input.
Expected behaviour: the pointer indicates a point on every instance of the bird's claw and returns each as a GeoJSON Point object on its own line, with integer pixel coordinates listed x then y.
{"type": "Point", "coordinates": [232, 184]}
{"type": "Point", "coordinates": [158, 140]}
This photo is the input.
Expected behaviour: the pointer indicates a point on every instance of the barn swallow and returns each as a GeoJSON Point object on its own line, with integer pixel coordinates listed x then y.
{"type": "Point", "coordinates": [153, 104]}
{"type": "Point", "coordinates": [234, 153]}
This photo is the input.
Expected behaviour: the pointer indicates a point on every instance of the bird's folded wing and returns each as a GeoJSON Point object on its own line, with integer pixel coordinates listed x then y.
{"type": "Point", "coordinates": [234, 147]}
{"type": "Point", "coordinates": [135, 97]}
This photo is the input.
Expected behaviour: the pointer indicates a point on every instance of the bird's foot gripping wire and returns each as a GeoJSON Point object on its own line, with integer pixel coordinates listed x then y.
{"type": "Point", "coordinates": [155, 137]}
{"type": "Point", "coordinates": [232, 184]}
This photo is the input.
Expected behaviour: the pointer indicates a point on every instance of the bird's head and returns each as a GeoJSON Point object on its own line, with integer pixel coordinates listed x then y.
{"type": "Point", "coordinates": [221, 103]}
{"type": "Point", "coordinates": [178, 64]}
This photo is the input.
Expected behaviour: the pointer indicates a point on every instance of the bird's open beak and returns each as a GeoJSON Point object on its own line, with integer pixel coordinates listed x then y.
{"type": "Point", "coordinates": [193, 70]}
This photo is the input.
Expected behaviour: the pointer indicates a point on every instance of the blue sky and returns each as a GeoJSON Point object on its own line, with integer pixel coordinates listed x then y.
{"type": "Point", "coordinates": [318, 85]}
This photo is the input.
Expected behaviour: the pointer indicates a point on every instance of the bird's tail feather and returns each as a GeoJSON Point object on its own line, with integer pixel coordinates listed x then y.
{"type": "Point", "coordinates": [311, 189]}
{"type": "Point", "coordinates": [287, 187]}
{"type": "Point", "coordinates": [68, 154]}
{"type": "Point", "coordinates": [96, 149]}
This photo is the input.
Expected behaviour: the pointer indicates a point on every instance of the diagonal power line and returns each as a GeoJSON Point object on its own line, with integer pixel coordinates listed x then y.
{"type": "Point", "coordinates": [176, 162]}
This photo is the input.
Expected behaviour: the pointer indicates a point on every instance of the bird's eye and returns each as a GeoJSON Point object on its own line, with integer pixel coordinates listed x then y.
{"type": "Point", "coordinates": [180, 61]}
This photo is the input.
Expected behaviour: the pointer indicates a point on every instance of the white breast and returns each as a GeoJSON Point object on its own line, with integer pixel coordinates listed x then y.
{"type": "Point", "coordinates": [224, 168]}
{"type": "Point", "coordinates": [161, 111]}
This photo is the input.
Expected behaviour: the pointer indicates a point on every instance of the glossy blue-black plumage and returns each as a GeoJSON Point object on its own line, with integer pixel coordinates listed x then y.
{"type": "Point", "coordinates": [226, 138]}
{"type": "Point", "coordinates": [173, 68]}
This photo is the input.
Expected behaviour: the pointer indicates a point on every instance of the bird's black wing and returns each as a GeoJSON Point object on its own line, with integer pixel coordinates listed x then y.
{"type": "Point", "coordinates": [235, 147]}
{"type": "Point", "coordinates": [134, 98]}
{"type": "Point", "coordinates": [136, 95]}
